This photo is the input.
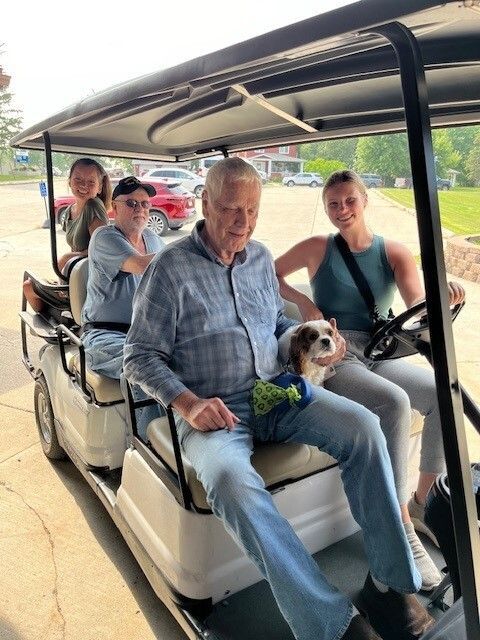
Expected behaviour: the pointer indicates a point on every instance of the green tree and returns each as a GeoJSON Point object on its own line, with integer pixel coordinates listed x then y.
{"type": "Point", "coordinates": [463, 141]}
{"type": "Point", "coordinates": [445, 155]}
{"type": "Point", "coordinates": [473, 162]}
{"type": "Point", "coordinates": [10, 124]}
{"type": "Point", "coordinates": [324, 167]}
{"type": "Point", "coordinates": [342, 150]}
{"type": "Point", "coordinates": [386, 155]}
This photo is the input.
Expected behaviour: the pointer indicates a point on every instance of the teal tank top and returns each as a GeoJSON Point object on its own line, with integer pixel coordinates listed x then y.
{"type": "Point", "coordinates": [335, 292]}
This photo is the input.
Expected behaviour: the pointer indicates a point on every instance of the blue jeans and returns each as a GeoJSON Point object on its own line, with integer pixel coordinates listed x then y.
{"type": "Point", "coordinates": [389, 388]}
{"type": "Point", "coordinates": [236, 493]}
{"type": "Point", "coordinates": [104, 355]}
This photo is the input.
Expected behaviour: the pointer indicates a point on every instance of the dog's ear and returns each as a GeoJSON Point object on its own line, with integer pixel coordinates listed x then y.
{"type": "Point", "coordinates": [333, 323]}
{"type": "Point", "coordinates": [300, 343]}
{"type": "Point", "coordinates": [295, 352]}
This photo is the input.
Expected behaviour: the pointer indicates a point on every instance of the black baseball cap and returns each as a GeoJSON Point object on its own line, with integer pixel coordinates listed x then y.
{"type": "Point", "coordinates": [129, 185]}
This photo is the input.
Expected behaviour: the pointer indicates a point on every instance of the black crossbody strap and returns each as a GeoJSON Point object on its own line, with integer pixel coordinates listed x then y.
{"type": "Point", "coordinates": [357, 275]}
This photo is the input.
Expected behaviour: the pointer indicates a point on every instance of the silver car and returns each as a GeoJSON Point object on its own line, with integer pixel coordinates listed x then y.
{"type": "Point", "coordinates": [189, 180]}
{"type": "Point", "coordinates": [309, 179]}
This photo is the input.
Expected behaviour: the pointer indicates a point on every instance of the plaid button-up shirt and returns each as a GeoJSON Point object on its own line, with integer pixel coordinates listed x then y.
{"type": "Point", "coordinates": [204, 326]}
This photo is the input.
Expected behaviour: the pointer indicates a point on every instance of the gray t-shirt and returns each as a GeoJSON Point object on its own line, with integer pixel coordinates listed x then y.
{"type": "Point", "coordinates": [77, 232]}
{"type": "Point", "coordinates": [109, 290]}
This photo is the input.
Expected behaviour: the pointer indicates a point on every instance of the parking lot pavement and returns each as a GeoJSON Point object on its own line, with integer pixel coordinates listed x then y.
{"type": "Point", "coordinates": [66, 572]}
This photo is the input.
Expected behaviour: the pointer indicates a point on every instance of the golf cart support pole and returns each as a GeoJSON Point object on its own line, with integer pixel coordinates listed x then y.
{"type": "Point", "coordinates": [51, 204]}
{"type": "Point", "coordinates": [414, 89]}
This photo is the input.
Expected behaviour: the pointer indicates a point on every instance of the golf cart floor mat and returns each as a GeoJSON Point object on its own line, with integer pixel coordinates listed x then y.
{"type": "Point", "coordinates": [253, 613]}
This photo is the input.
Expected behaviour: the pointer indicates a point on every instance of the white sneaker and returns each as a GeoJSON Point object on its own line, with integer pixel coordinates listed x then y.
{"type": "Point", "coordinates": [431, 576]}
{"type": "Point", "coordinates": [417, 515]}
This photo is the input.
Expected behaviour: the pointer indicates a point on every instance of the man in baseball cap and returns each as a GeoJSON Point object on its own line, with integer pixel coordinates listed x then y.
{"type": "Point", "coordinates": [118, 255]}
{"type": "Point", "coordinates": [129, 185]}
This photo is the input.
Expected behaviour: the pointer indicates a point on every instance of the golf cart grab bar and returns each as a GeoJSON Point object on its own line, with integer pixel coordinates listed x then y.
{"type": "Point", "coordinates": [175, 480]}
{"type": "Point", "coordinates": [63, 331]}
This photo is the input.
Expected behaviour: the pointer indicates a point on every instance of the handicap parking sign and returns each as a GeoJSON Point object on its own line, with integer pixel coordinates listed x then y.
{"type": "Point", "coordinates": [43, 189]}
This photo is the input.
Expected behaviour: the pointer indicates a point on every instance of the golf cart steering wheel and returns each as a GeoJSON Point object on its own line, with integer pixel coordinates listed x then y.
{"type": "Point", "coordinates": [406, 334]}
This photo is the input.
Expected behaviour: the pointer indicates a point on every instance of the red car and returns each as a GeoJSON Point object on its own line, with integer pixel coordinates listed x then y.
{"type": "Point", "coordinates": [172, 206]}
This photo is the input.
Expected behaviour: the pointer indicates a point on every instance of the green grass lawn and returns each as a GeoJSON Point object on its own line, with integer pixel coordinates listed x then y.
{"type": "Point", "coordinates": [19, 176]}
{"type": "Point", "coordinates": [459, 207]}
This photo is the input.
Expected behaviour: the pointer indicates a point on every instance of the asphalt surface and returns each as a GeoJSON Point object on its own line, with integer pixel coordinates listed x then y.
{"type": "Point", "coordinates": [65, 571]}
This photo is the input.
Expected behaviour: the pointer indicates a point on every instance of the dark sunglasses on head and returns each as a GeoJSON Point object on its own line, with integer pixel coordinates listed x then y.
{"type": "Point", "coordinates": [133, 204]}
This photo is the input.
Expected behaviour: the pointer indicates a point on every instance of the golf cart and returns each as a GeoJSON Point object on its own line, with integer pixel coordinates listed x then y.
{"type": "Point", "coordinates": [376, 66]}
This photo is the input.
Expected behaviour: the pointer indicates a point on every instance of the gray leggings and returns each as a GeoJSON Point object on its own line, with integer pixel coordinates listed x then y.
{"type": "Point", "coordinates": [389, 389]}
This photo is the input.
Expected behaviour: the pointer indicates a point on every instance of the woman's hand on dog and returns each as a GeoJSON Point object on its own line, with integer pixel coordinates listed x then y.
{"type": "Point", "coordinates": [204, 414]}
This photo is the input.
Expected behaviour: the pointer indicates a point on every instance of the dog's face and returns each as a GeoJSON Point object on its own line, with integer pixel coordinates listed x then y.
{"type": "Point", "coordinates": [312, 339]}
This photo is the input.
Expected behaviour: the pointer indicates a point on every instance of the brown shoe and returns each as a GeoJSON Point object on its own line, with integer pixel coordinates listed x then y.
{"type": "Point", "coordinates": [359, 629]}
{"type": "Point", "coordinates": [398, 616]}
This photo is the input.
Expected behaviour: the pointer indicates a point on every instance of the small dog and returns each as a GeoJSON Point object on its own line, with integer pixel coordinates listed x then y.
{"type": "Point", "coordinates": [302, 344]}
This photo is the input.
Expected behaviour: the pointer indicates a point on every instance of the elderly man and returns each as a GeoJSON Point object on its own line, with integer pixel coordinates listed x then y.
{"type": "Point", "coordinates": [207, 317]}
{"type": "Point", "coordinates": [118, 255]}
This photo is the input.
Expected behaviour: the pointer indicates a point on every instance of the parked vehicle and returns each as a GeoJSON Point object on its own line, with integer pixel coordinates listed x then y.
{"type": "Point", "coordinates": [406, 183]}
{"type": "Point", "coordinates": [189, 180]}
{"type": "Point", "coordinates": [443, 184]}
{"type": "Point", "coordinates": [403, 183]}
{"type": "Point", "coordinates": [309, 179]}
{"type": "Point", "coordinates": [371, 180]}
{"type": "Point", "coordinates": [172, 206]}
{"type": "Point", "coordinates": [331, 76]}
{"type": "Point", "coordinates": [263, 176]}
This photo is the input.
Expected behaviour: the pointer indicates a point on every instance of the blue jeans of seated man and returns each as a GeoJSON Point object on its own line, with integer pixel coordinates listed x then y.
{"type": "Point", "coordinates": [236, 493]}
{"type": "Point", "coordinates": [104, 354]}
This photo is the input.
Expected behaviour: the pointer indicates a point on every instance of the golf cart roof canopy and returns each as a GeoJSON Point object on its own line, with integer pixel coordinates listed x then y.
{"type": "Point", "coordinates": [325, 77]}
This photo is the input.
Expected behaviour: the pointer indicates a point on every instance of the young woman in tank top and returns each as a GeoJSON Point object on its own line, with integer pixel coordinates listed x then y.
{"type": "Point", "coordinates": [389, 388]}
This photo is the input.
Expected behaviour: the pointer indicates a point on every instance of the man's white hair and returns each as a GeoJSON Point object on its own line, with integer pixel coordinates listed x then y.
{"type": "Point", "coordinates": [229, 170]}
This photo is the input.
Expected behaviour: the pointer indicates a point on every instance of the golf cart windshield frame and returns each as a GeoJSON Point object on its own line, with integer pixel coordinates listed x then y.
{"type": "Point", "coordinates": [180, 100]}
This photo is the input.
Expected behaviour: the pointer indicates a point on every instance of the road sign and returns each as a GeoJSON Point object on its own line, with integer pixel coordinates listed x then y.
{"type": "Point", "coordinates": [43, 189]}
{"type": "Point", "coordinates": [22, 157]}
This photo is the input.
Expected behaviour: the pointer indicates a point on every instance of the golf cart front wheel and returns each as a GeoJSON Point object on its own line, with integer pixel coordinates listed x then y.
{"type": "Point", "coordinates": [45, 423]}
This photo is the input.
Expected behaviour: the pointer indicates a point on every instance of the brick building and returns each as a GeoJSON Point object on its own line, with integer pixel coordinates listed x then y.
{"type": "Point", "coordinates": [277, 162]}
{"type": "Point", "coordinates": [4, 79]}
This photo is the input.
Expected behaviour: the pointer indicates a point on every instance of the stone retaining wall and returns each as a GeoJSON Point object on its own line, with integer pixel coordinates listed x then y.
{"type": "Point", "coordinates": [462, 258]}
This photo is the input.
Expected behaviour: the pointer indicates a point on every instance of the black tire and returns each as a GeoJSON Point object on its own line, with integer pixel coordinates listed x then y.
{"type": "Point", "coordinates": [290, 183]}
{"type": "Point", "coordinates": [198, 190]}
{"type": "Point", "coordinates": [158, 223]}
{"type": "Point", "coordinates": [60, 214]}
{"type": "Point", "coordinates": [45, 421]}
{"type": "Point", "coordinates": [314, 184]}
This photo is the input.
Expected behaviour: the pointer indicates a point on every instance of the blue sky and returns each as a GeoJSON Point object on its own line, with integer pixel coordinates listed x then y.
{"type": "Point", "coordinates": [94, 44]}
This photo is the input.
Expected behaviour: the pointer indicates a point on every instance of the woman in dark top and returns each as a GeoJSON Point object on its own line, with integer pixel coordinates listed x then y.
{"type": "Point", "coordinates": [388, 388]}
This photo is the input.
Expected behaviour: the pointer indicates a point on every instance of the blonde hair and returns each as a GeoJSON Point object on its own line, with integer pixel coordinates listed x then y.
{"type": "Point", "coordinates": [229, 169]}
{"type": "Point", "coordinates": [105, 194]}
{"type": "Point", "coordinates": [339, 177]}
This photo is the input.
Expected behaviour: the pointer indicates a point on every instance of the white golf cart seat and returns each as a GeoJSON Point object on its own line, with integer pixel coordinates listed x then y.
{"type": "Point", "coordinates": [277, 463]}
{"type": "Point", "coordinates": [106, 390]}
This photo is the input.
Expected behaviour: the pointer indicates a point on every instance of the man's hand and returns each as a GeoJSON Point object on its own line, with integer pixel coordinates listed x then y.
{"type": "Point", "coordinates": [204, 414]}
{"type": "Point", "coordinates": [341, 349]}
